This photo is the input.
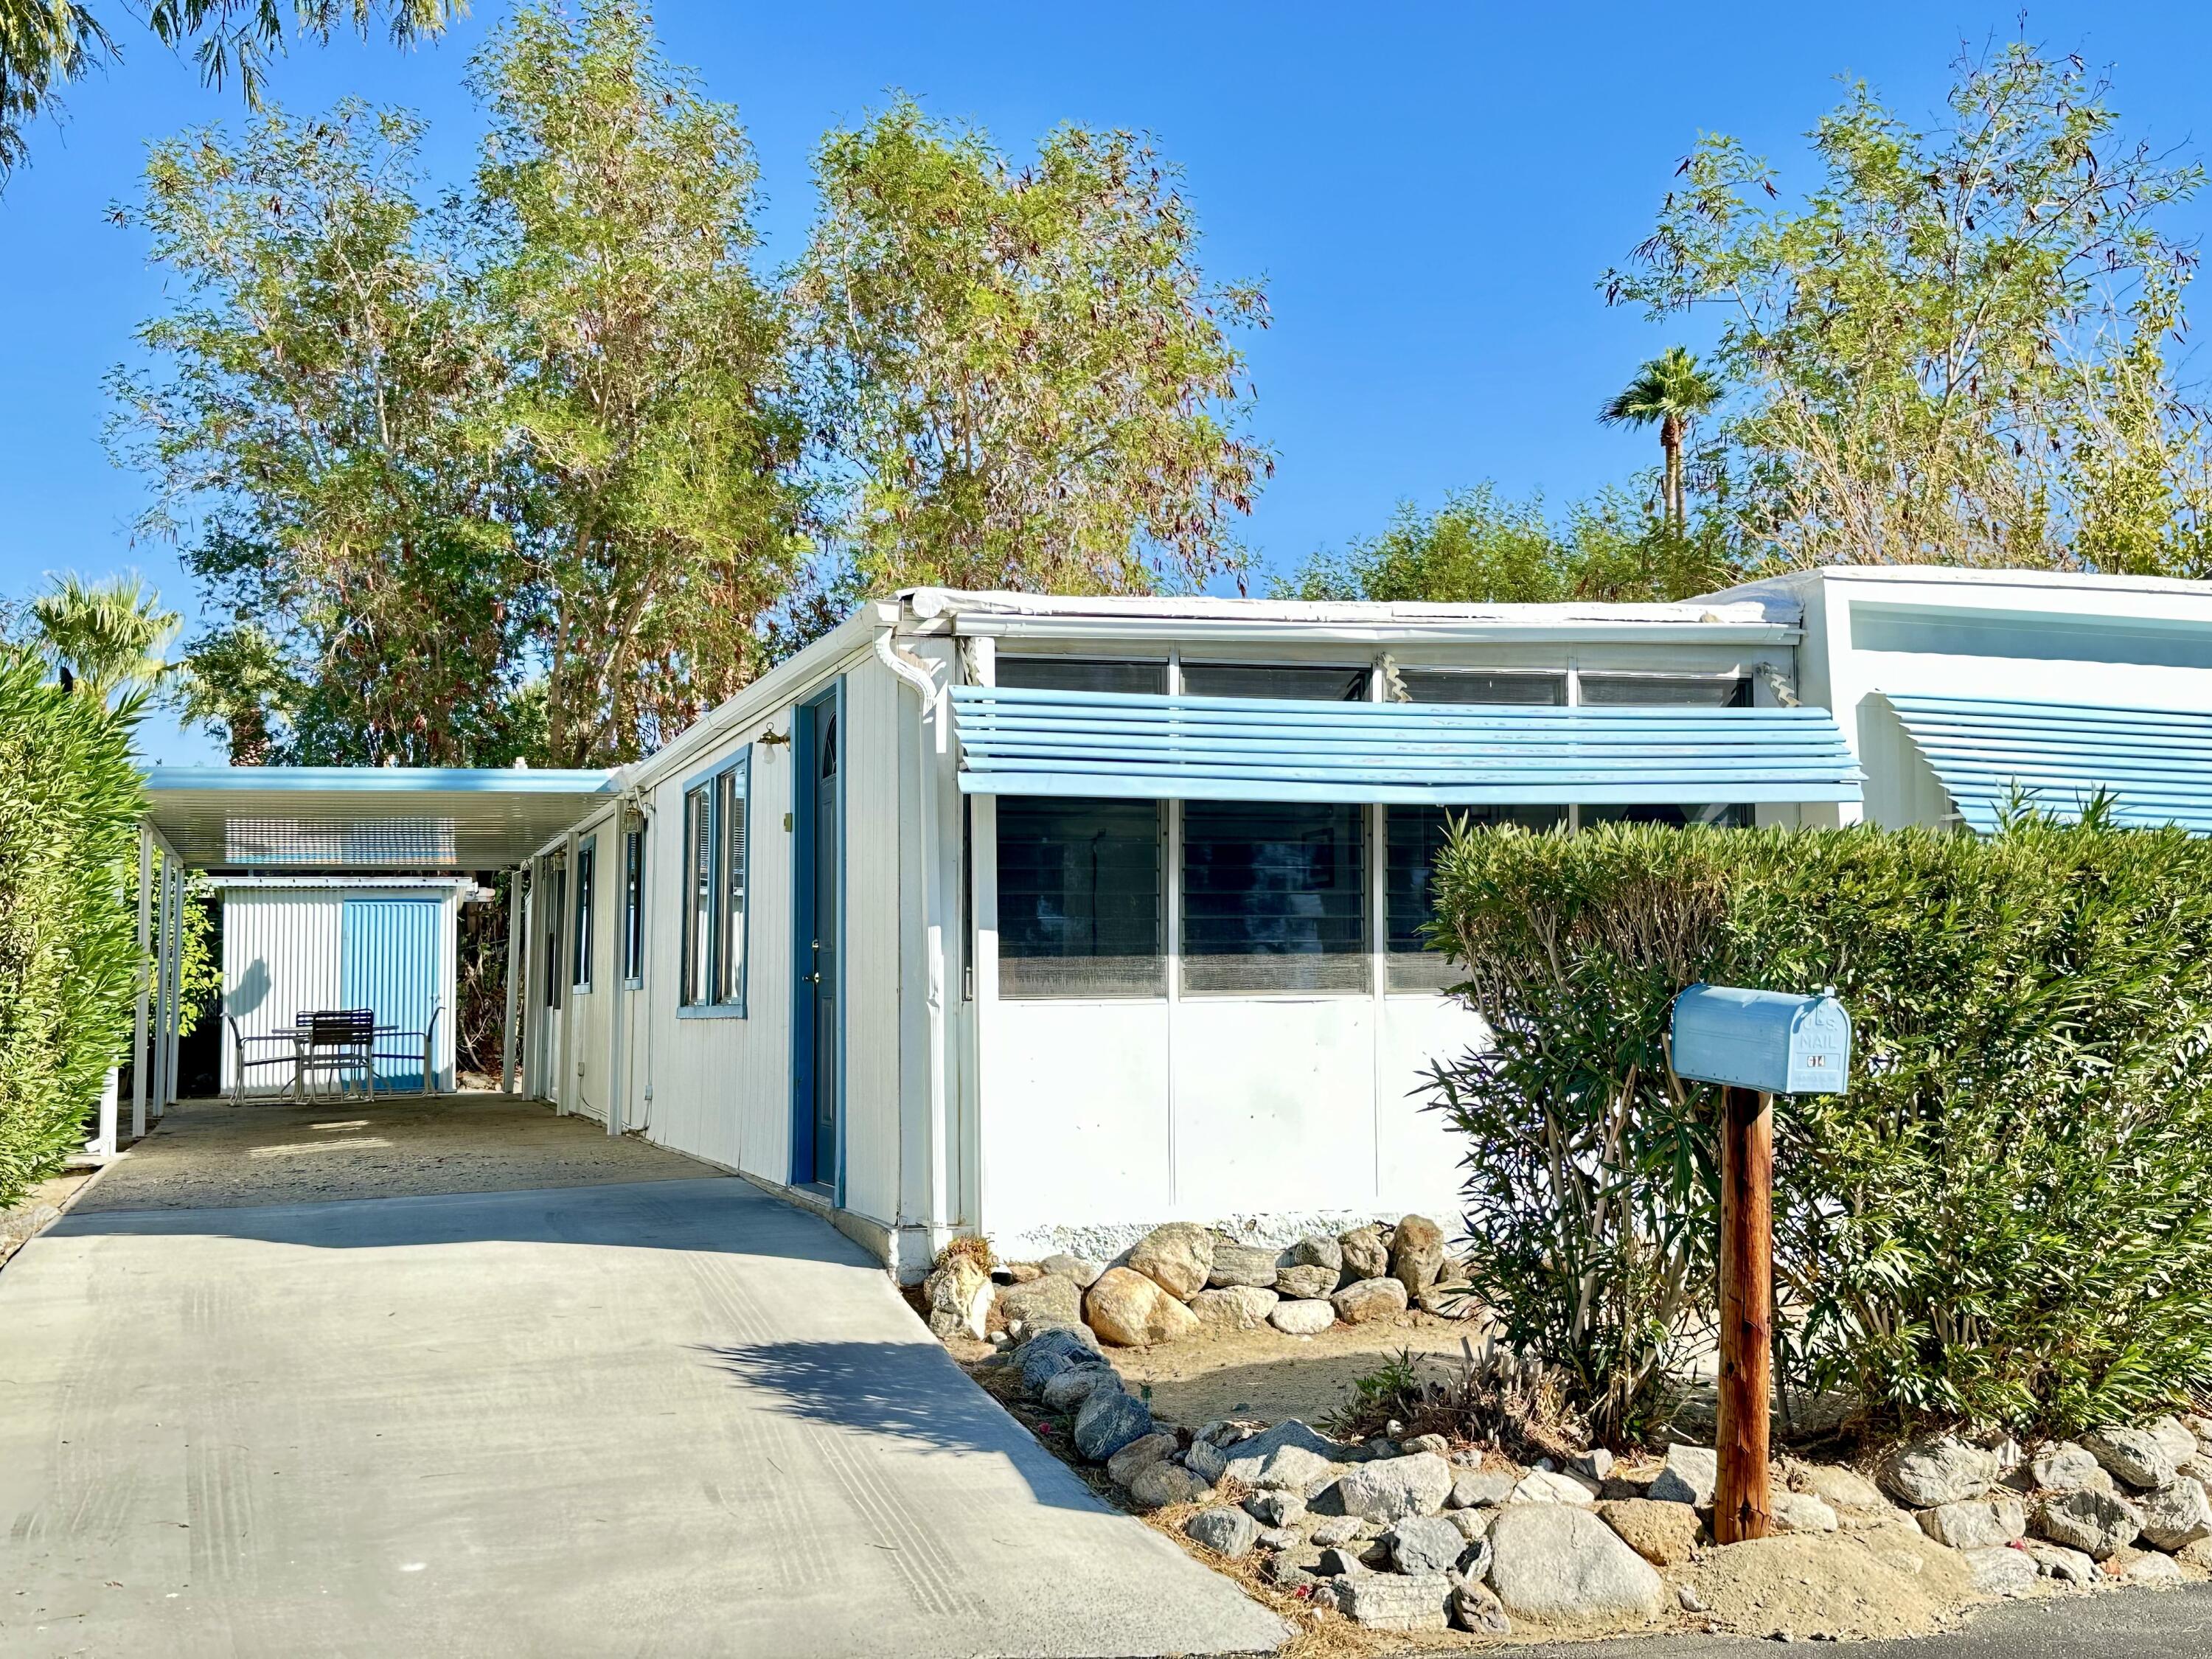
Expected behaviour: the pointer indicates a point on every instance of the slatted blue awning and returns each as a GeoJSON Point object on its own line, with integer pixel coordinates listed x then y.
{"type": "Point", "coordinates": [1029, 742]}
{"type": "Point", "coordinates": [2156, 763]}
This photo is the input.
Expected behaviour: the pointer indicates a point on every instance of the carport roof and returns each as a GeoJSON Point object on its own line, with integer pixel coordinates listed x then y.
{"type": "Point", "coordinates": [365, 818]}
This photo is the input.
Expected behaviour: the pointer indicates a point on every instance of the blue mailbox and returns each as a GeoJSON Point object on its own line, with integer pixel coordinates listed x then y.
{"type": "Point", "coordinates": [1771, 1041]}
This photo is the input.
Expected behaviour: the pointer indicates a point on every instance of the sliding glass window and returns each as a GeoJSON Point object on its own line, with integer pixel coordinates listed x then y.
{"type": "Point", "coordinates": [587, 859]}
{"type": "Point", "coordinates": [1079, 910]}
{"type": "Point", "coordinates": [633, 962]}
{"type": "Point", "coordinates": [1668, 691]}
{"type": "Point", "coordinates": [1267, 679]}
{"type": "Point", "coordinates": [1274, 897]}
{"type": "Point", "coordinates": [1417, 835]}
{"type": "Point", "coordinates": [715, 876]}
{"type": "Point", "coordinates": [1082, 674]}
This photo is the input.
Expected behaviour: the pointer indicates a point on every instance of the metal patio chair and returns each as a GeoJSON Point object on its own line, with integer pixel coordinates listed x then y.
{"type": "Point", "coordinates": [422, 1046]}
{"type": "Point", "coordinates": [335, 1043]}
{"type": "Point", "coordinates": [242, 1059]}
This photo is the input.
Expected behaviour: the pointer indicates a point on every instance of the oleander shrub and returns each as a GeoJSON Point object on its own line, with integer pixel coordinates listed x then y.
{"type": "Point", "coordinates": [69, 805]}
{"type": "Point", "coordinates": [2004, 1221]}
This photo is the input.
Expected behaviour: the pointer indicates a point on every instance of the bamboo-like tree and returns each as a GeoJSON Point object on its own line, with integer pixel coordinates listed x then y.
{"type": "Point", "coordinates": [105, 639]}
{"type": "Point", "coordinates": [1669, 392]}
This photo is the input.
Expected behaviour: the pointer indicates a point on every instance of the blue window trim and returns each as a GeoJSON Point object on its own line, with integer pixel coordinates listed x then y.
{"type": "Point", "coordinates": [581, 945]}
{"type": "Point", "coordinates": [634, 895]}
{"type": "Point", "coordinates": [742, 762]}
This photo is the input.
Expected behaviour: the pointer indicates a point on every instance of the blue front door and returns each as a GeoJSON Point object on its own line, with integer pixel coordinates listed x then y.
{"type": "Point", "coordinates": [388, 961]}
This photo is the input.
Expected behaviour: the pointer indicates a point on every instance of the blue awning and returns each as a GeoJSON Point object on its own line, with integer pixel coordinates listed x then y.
{"type": "Point", "coordinates": [1030, 742]}
{"type": "Point", "coordinates": [2156, 763]}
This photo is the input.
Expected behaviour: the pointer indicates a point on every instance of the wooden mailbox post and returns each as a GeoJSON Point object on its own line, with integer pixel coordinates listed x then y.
{"type": "Point", "coordinates": [1756, 1044]}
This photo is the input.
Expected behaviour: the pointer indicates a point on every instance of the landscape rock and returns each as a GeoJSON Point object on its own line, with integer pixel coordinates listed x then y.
{"type": "Point", "coordinates": [1976, 1523]}
{"type": "Point", "coordinates": [1596, 1464]}
{"type": "Point", "coordinates": [1428, 1443]}
{"type": "Point", "coordinates": [1069, 1388]}
{"type": "Point", "coordinates": [1306, 1281]}
{"type": "Point", "coordinates": [1342, 1560]}
{"type": "Point", "coordinates": [1296, 1566]}
{"type": "Point", "coordinates": [1475, 1606]}
{"type": "Point", "coordinates": [1665, 1534]}
{"type": "Point", "coordinates": [1425, 1543]}
{"type": "Point", "coordinates": [1689, 1476]}
{"type": "Point", "coordinates": [1175, 1257]}
{"type": "Point", "coordinates": [1108, 1420]}
{"type": "Point", "coordinates": [1280, 1538]}
{"type": "Point", "coordinates": [1382, 1601]}
{"type": "Point", "coordinates": [1365, 1254]}
{"type": "Point", "coordinates": [1337, 1531]}
{"type": "Point", "coordinates": [2197, 1555]}
{"type": "Point", "coordinates": [1233, 1308]}
{"type": "Point", "coordinates": [1448, 1301]}
{"type": "Point", "coordinates": [1317, 1250]}
{"type": "Point", "coordinates": [1053, 1350]}
{"type": "Point", "coordinates": [1122, 1467]}
{"type": "Point", "coordinates": [2095, 1523]}
{"type": "Point", "coordinates": [1557, 1563]}
{"type": "Point", "coordinates": [1130, 1308]}
{"type": "Point", "coordinates": [959, 1296]}
{"type": "Point", "coordinates": [1999, 1570]}
{"type": "Point", "coordinates": [2174, 1437]}
{"type": "Point", "coordinates": [1472, 1523]}
{"type": "Point", "coordinates": [1471, 1487]}
{"type": "Point", "coordinates": [2201, 1427]}
{"type": "Point", "coordinates": [1417, 1254]}
{"type": "Point", "coordinates": [2057, 1561]}
{"type": "Point", "coordinates": [1016, 1272]}
{"type": "Point", "coordinates": [1841, 1489]}
{"type": "Point", "coordinates": [1226, 1532]}
{"type": "Point", "coordinates": [1237, 1264]}
{"type": "Point", "coordinates": [2134, 1455]}
{"type": "Point", "coordinates": [1302, 1318]}
{"type": "Point", "coordinates": [1803, 1511]}
{"type": "Point", "coordinates": [1288, 1457]}
{"type": "Point", "coordinates": [1046, 1303]}
{"type": "Point", "coordinates": [1369, 1299]}
{"type": "Point", "coordinates": [1396, 1487]}
{"type": "Point", "coordinates": [1274, 1509]}
{"type": "Point", "coordinates": [1161, 1483]}
{"type": "Point", "coordinates": [1938, 1469]}
{"type": "Point", "coordinates": [2062, 1466]}
{"type": "Point", "coordinates": [2176, 1514]}
{"type": "Point", "coordinates": [1552, 1487]}
{"type": "Point", "coordinates": [1081, 1269]}
{"type": "Point", "coordinates": [2145, 1567]}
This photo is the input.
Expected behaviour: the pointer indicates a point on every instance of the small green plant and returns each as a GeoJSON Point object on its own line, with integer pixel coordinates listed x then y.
{"type": "Point", "coordinates": [1497, 1398]}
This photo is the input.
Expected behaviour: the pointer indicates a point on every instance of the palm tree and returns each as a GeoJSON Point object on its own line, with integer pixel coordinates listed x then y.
{"type": "Point", "coordinates": [105, 639]}
{"type": "Point", "coordinates": [1669, 392]}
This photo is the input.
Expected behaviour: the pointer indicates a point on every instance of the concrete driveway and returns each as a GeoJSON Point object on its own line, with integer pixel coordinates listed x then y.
{"type": "Point", "coordinates": [658, 1418]}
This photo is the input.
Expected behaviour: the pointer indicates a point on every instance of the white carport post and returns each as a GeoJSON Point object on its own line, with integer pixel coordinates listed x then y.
{"type": "Point", "coordinates": [158, 1068]}
{"type": "Point", "coordinates": [140, 1021]}
{"type": "Point", "coordinates": [516, 923]}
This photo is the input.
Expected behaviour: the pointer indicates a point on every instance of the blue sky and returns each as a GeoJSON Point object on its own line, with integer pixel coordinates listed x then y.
{"type": "Point", "coordinates": [1431, 192]}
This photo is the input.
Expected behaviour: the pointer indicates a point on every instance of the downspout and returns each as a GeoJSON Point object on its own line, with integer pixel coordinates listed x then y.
{"type": "Point", "coordinates": [916, 673]}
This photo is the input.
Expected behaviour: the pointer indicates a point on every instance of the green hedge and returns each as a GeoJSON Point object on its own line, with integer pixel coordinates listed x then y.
{"type": "Point", "coordinates": [69, 803]}
{"type": "Point", "coordinates": [2004, 1221]}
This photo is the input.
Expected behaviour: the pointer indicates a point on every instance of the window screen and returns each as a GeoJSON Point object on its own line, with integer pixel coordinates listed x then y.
{"type": "Point", "coordinates": [714, 876]}
{"type": "Point", "coordinates": [1079, 898]}
{"type": "Point", "coordinates": [729, 882]}
{"type": "Point", "coordinates": [1717, 815]}
{"type": "Point", "coordinates": [699, 895]}
{"type": "Point", "coordinates": [1223, 679]}
{"type": "Point", "coordinates": [556, 904]}
{"type": "Point", "coordinates": [633, 963]}
{"type": "Point", "coordinates": [1414, 836]}
{"type": "Point", "coordinates": [1081, 674]}
{"type": "Point", "coordinates": [587, 857]}
{"type": "Point", "coordinates": [1274, 897]}
{"type": "Point", "coordinates": [1666, 690]}
{"type": "Point", "coordinates": [1451, 685]}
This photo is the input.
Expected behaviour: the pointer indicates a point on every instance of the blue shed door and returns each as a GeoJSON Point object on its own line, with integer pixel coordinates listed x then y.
{"type": "Point", "coordinates": [388, 961]}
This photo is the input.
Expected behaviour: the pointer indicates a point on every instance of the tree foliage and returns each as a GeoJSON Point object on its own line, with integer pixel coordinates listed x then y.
{"type": "Point", "coordinates": [1028, 379]}
{"type": "Point", "coordinates": [1951, 349]}
{"type": "Point", "coordinates": [107, 640]}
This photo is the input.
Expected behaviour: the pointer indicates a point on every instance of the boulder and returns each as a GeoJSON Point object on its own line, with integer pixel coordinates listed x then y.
{"type": "Point", "coordinates": [1122, 1467]}
{"type": "Point", "coordinates": [2174, 1437]}
{"type": "Point", "coordinates": [1476, 1608]}
{"type": "Point", "coordinates": [1471, 1487]}
{"type": "Point", "coordinates": [2176, 1514]}
{"type": "Point", "coordinates": [1938, 1469]}
{"type": "Point", "coordinates": [2062, 1466]}
{"type": "Point", "coordinates": [1387, 1600]}
{"type": "Point", "coordinates": [1800, 1511]}
{"type": "Point", "coordinates": [1108, 1420]}
{"type": "Point", "coordinates": [1130, 1308]}
{"type": "Point", "coordinates": [959, 1296]}
{"type": "Point", "coordinates": [1016, 1272]}
{"type": "Point", "coordinates": [1448, 1301]}
{"type": "Point", "coordinates": [1317, 1250]}
{"type": "Point", "coordinates": [1976, 1523]}
{"type": "Point", "coordinates": [1053, 1351]}
{"type": "Point", "coordinates": [1665, 1534]}
{"type": "Point", "coordinates": [1234, 1308]}
{"type": "Point", "coordinates": [1416, 1443]}
{"type": "Point", "coordinates": [1999, 1570]}
{"type": "Point", "coordinates": [2134, 1455]}
{"type": "Point", "coordinates": [1226, 1532]}
{"type": "Point", "coordinates": [1392, 1488]}
{"type": "Point", "coordinates": [1296, 1567]}
{"type": "Point", "coordinates": [1417, 1254]}
{"type": "Point", "coordinates": [1160, 1483]}
{"type": "Point", "coordinates": [2201, 1427]}
{"type": "Point", "coordinates": [1243, 1264]}
{"type": "Point", "coordinates": [2094, 1523]}
{"type": "Point", "coordinates": [1339, 1530]}
{"type": "Point", "coordinates": [1306, 1281]}
{"type": "Point", "coordinates": [2057, 1561]}
{"type": "Point", "coordinates": [1080, 1269]}
{"type": "Point", "coordinates": [2144, 1567]}
{"type": "Point", "coordinates": [1563, 1565]}
{"type": "Point", "coordinates": [1275, 1509]}
{"type": "Point", "coordinates": [1841, 1489]}
{"type": "Point", "coordinates": [1689, 1476]}
{"type": "Point", "coordinates": [1344, 1560]}
{"type": "Point", "coordinates": [1175, 1257]}
{"type": "Point", "coordinates": [1552, 1487]}
{"type": "Point", "coordinates": [1425, 1543]}
{"type": "Point", "coordinates": [1596, 1464]}
{"type": "Point", "coordinates": [2197, 1555]}
{"type": "Point", "coordinates": [1288, 1457]}
{"type": "Point", "coordinates": [1369, 1299]}
{"type": "Point", "coordinates": [1068, 1389]}
{"type": "Point", "coordinates": [1280, 1538]}
{"type": "Point", "coordinates": [1308, 1318]}
{"type": "Point", "coordinates": [1365, 1254]}
{"type": "Point", "coordinates": [1046, 1303]}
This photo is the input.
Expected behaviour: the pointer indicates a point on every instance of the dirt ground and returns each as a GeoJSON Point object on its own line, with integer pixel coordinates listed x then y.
{"type": "Point", "coordinates": [209, 1154]}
